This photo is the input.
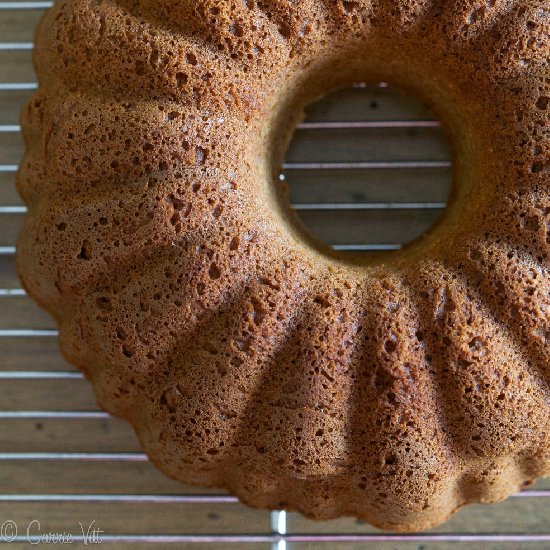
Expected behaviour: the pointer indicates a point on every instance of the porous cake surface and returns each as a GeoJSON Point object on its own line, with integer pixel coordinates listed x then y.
{"type": "Point", "coordinates": [395, 388]}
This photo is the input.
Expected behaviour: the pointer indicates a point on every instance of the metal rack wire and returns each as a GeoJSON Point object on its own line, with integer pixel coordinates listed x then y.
{"type": "Point", "coordinates": [51, 479]}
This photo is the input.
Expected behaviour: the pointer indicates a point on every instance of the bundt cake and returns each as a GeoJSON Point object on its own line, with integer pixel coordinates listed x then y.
{"type": "Point", "coordinates": [393, 387]}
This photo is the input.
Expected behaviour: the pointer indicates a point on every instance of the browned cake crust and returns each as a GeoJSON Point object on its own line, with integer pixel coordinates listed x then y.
{"type": "Point", "coordinates": [396, 388]}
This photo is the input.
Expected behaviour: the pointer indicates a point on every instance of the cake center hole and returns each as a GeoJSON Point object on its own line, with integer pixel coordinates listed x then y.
{"type": "Point", "coordinates": [368, 170]}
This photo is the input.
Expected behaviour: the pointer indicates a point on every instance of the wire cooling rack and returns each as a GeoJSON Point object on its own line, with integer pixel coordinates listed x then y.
{"type": "Point", "coordinates": [366, 162]}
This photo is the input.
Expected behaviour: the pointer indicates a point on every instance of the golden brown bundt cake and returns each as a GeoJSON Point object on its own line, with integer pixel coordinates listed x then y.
{"type": "Point", "coordinates": [396, 388]}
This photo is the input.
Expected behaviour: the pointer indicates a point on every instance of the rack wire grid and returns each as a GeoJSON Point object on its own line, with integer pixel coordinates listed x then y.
{"type": "Point", "coordinates": [366, 162]}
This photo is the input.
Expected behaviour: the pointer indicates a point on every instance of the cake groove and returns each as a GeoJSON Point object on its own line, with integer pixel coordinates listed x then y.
{"type": "Point", "coordinates": [509, 309]}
